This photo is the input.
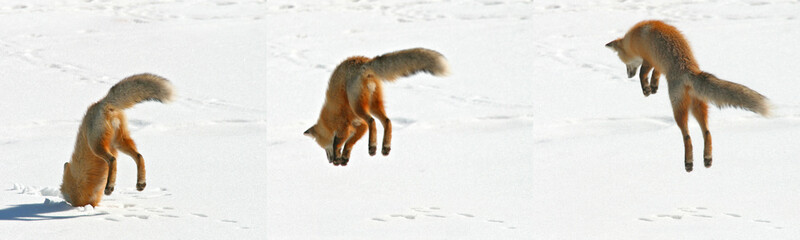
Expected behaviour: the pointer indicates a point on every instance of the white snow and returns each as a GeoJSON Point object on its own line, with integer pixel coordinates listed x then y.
{"type": "Point", "coordinates": [204, 152]}
{"type": "Point", "coordinates": [536, 133]}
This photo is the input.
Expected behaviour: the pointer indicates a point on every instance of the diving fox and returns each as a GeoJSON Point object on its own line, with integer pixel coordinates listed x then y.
{"type": "Point", "coordinates": [93, 167]}
{"type": "Point", "coordinates": [355, 94]}
{"type": "Point", "coordinates": [656, 45]}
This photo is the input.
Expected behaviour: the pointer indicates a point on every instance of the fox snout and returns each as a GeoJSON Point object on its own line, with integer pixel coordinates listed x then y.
{"type": "Point", "coordinates": [631, 70]}
{"type": "Point", "coordinates": [631, 63]}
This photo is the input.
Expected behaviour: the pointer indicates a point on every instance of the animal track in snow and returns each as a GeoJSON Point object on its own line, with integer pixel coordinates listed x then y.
{"type": "Point", "coordinates": [35, 58]}
{"type": "Point", "coordinates": [137, 216]}
{"type": "Point", "coordinates": [156, 193]}
{"type": "Point", "coordinates": [421, 210]}
{"type": "Point", "coordinates": [703, 213]}
{"type": "Point", "coordinates": [118, 207]}
{"type": "Point", "coordinates": [217, 104]}
{"type": "Point", "coordinates": [410, 217]}
{"type": "Point", "coordinates": [676, 217]}
{"type": "Point", "coordinates": [121, 211]}
{"type": "Point", "coordinates": [439, 213]}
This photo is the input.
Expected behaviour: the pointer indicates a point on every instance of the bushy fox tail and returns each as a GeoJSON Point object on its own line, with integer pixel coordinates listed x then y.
{"type": "Point", "coordinates": [729, 94]}
{"type": "Point", "coordinates": [139, 88]}
{"type": "Point", "coordinates": [403, 63]}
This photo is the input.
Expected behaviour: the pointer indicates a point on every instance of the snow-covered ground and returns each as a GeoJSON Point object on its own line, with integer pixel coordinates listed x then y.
{"type": "Point", "coordinates": [536, 134]}
{"type": "Point", "coordinates": [205, 153]}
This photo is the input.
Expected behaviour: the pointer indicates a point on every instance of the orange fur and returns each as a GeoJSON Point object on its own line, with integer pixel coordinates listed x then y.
{"type": "Point", "coordinates": [658, 46]}
{"type": "Point", "coordinates": [355, 95]}
{"type": "Point", "coordinates": [92, 169]}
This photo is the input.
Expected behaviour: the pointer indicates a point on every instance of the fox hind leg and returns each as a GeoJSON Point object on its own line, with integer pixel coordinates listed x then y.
{"type": "Point", "coordinates": [373, 136]}
{"type": "Point", "coordinates": [680, 108]}
{"type": "Point", "coordinates": [362, 113]}
{"type": "Point", "coordinates": [360, 104]}
{"type": "Point", "coordinates": [125, 144]}
{"type": "Point", "coordinates": [112, 175]}
{"type": "Point", "coordinates": [99, 144]}
{"type": "Point", "coordinates": [700, 112]}
{"type": "Point", "coordinates": [376, 108]}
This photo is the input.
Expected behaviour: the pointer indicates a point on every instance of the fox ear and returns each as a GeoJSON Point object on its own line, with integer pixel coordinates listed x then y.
{"type": "Point", "coordinates": [310, 132]}
{"type": "Point", "coordinates": [613, 44]}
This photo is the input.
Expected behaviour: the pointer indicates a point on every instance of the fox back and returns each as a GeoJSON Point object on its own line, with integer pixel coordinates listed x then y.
{"type": "Point", "coordinates": [658, 43]}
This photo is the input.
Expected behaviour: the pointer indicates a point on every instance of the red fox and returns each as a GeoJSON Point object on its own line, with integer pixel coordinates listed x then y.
{"type": "Point", "coordinates": [93, 167]}
{"type": "Point", "coordinates": [355, 94]}
{"type": "Point", "coordinates": [654, 44]}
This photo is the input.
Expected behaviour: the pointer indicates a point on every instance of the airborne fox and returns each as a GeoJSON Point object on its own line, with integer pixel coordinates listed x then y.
{"type": "Point", "coordinates": [355, 94]}
{"type": "Point", "coordinates": [654, 44]}
{"type": "Point", "coordinates": [93, 167]}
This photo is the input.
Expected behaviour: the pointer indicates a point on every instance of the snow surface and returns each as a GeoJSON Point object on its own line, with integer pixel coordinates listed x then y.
{"type": "Point", "coordinates": [536, 134]}
{"type": "Point", "coordinates": [58, 57]}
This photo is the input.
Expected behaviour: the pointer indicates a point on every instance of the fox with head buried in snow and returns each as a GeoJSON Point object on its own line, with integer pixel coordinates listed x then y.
{"type": "Point", "coordinates": [93, 167]}
{"type": "Point", "coordinates": [662, 48]}
{"type": "Point", "coordinates": [355, 94]}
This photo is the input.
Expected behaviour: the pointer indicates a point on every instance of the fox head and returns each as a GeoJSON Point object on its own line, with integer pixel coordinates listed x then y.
{"type": "Point", "coordinates": [323, 137]}
{"type": "Point", "coordinates": [632, 62]}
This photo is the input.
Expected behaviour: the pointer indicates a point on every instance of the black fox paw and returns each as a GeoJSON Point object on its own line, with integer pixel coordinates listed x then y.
{"type": "Point", "coordinates": [340, 161]}
{"type": "Point", "coordinates": [140, 186]}
{"type": "Point", "coordinates": [653, 89]}
{"type": "Point", "coordinates": [689, 167]}
{"type": "Point", "coordinates": [385, 150]}
{"type": "Point", "coordinates": [372, 150]}
{"type": "Point", "coordinates": [109, 190]}
{"type": "Point", "coordinates": [707, 162]}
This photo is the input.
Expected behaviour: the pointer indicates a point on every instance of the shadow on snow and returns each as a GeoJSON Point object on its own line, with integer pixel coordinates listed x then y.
{"type": "Point", "coordinates": [37, 212]}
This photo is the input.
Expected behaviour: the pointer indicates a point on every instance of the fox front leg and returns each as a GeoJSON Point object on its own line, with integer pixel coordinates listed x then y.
{"type": "Point", "coordinates": [125, 144]}
{"type": "Point", "coordinates": [643, 72]}
{"type": "Point", "coordinates": [654, 81]}
{"type": "Point", "coordinates": [330, 151]}
{"type": "Point", "coordinates": [100, 148]}
{"type": "Point", "coordinates": [335, 155]}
